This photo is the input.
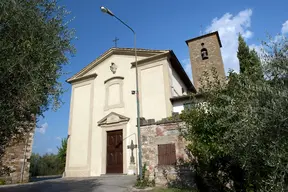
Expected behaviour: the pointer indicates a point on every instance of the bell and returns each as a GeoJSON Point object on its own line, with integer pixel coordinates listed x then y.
{"type": "Point", "coordinates": [204, 54]}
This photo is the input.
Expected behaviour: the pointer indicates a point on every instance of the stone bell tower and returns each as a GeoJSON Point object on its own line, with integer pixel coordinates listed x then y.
{"type": "Point", "coordinates": [205, 54]}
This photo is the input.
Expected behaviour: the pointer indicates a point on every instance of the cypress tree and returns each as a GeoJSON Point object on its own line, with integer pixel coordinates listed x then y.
{"type": "Point", "coordinates": [243, 54]}
{"type": "Point", "coordinates": [255, 65]}
{"type": "Point", "coordinates": [249, 60]}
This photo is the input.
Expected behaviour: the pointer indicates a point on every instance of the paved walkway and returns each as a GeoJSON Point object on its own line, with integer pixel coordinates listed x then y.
{"type": "Point", "coordinates": [95, 184]}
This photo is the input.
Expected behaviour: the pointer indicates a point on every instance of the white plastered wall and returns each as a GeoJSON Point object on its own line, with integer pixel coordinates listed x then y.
{"type": "Point", "coordinates": [176, 83]}
{"type": "Point", "coordinates": [80, 127]}
{"type": "Point", "coordinates": [178, 106]}
{"type": "Point", "coordinates": [88, 105]}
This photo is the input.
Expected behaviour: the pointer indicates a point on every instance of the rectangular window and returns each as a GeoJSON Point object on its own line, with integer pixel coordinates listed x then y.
{"type": "Point", "coordinates": [166, 154]}
{"type": "Point", "coordinates": [189, 105]}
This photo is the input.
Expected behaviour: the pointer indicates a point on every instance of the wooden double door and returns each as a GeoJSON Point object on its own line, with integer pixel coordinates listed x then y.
{"type": "Point", "coordinates": [114, 152]}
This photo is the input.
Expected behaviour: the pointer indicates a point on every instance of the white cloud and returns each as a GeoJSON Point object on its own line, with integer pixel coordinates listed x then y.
{"type": "Point", "coordinates": [284, 29]}
{"type": "Point", "coordinates": [260, 51]}
{"type": "Point", "coordinates": [277, 38]}
{"type": "Point", "coordinates": [49, 150]}
{"type": "Point", "coordinates": [257, 48]}
{"type": "Point", "coordinates": [42, 128]}
{"type": "Point", "coordinates": [58, 138]}
{"type": "Point", "coordinates": [187, 67]}
{"type": "Point", "coordinates": [229, 27]}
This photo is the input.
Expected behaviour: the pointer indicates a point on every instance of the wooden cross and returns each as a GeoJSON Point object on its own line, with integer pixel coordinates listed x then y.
{"type": "Point", "coordinates": [132, 147]}
{"type": "Point", "coordinates": [115, 41]}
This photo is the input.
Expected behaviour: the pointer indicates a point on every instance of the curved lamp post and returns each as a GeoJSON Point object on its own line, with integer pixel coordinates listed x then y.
{"type": "Point", "coordinates": [105, 10]}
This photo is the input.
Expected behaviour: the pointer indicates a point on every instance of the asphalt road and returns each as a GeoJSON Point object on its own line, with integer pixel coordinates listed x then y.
{"type": "Point", "coordinates": [95, 184]}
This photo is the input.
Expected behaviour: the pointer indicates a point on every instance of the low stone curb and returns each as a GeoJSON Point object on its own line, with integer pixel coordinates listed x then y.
{"type": "Point", "coordinates": [133, 189]}
{"type": "Point", "coordinates": [23, 184]}
{"type": "Point", "coordinates": [14, 185]}
{"type": "Point", "coordinates": [47, 176]}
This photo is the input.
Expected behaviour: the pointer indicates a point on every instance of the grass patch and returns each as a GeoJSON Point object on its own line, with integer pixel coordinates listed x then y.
{"type": "Point", "coordinates": [144, 183]}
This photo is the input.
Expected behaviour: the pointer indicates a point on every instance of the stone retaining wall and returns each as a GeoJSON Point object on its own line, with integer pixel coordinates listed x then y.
{"type": "Point", "coordinates": [17, 158]}
{"type": "Point", "coordinates": [162, 132]}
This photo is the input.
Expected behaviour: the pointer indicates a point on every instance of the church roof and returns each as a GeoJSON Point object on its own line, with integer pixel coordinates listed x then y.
{"type": "Point", "coordinates": [149, 53]}
{"type": "Point", "coordinates": [175, 64]}
{"type": "Point", "coordinates": [182, 74]}
{"type": "Point", "coordinates": [206, 35]}
{"type": "Point", "coordinates": [186, 97]}
{"type": "Point", "coordinates": [115, 51]}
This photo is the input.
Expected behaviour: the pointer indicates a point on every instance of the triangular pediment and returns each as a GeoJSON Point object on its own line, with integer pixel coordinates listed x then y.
{"type": "Point", "coordinates": [113, 118]}
{"type": "Point", "coordinates": [114, 51]}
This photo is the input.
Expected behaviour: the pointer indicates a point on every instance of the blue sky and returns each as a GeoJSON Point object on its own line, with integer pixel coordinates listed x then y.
{"type": "Point", "coordinates": [159, 25]}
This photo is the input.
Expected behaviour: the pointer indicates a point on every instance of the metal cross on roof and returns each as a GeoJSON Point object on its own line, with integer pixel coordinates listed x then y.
{"type": "Point", "coordinates": [115, 41]}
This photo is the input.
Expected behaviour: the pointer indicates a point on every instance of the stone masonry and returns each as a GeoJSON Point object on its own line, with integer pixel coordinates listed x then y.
{"type": "Point", "coordinates": [211, 42]}
{"type": "Point", "coordinates": [17, 158]}
{"type": "Point", "coordinates": [162, 132]}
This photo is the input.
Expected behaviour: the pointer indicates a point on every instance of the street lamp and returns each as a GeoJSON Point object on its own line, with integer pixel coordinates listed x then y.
{"type": "Point", "coordinates": [105, 10]}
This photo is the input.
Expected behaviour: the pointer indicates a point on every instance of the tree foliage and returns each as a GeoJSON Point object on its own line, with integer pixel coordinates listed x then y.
{"type": "Point", "coordinates": [239, 139]}
{"type": "Point", "coordinates": [34, 45]}
{"type": "Point", "coordinates": [47, 164]}
{"type": "Point", "coordinates": [243, 54]}
{"type": "Point", "coordinates": [62, 154]}
{"type": "Point", "coordinates": [249, 60]}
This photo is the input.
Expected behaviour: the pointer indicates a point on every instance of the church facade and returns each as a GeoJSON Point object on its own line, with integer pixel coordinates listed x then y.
{"type": "Point", "coordinates": [102, 119]}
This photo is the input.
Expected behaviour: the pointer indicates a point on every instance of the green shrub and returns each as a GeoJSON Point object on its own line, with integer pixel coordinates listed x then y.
{"type": "Point", "coordinates": [144, 182]}
{"type": "Point", "coordinates": [239, 140]}
{"type": "Point", "coordinates": [2, 182]}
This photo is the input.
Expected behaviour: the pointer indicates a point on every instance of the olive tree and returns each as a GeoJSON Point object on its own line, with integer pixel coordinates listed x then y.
{"type": "Point", "coordinates": [35, 44]}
